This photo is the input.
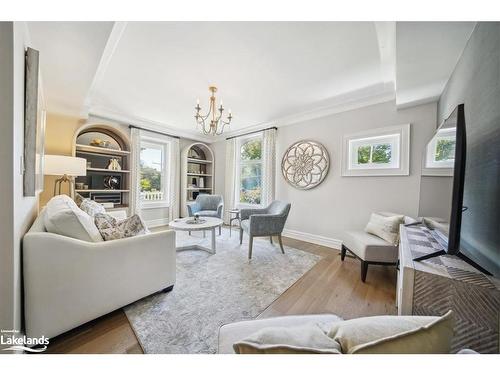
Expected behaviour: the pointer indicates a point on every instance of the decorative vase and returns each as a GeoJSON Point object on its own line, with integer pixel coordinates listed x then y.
{"type": "Point", "coordinates": [114, 165]}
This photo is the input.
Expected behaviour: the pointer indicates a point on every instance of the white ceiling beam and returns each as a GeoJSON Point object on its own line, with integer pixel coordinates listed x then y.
{"type": "Point", "coordinates": [386, 36]}
{"type": "Point", "coordinates": [107, 54]}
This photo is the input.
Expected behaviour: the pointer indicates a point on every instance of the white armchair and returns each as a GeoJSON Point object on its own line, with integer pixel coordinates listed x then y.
{"type": "Point", "coordinates": [68, 282]}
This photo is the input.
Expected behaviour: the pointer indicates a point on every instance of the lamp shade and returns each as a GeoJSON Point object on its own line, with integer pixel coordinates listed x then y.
{"type": "Point", "coordinates": [59, 165]}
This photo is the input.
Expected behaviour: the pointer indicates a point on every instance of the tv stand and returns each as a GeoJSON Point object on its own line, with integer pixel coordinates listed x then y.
{"type": "Point", "coordinates": [437, 284]}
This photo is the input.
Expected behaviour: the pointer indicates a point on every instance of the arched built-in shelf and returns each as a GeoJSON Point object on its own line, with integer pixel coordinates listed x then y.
{"type": "Point", "coordinates": [197, 173]}
{"type": "Point", "coordinates": [98, 144]}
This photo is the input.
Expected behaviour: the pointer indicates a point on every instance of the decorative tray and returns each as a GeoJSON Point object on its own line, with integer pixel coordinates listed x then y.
{"type": "Point", "coordinates": [192, 221]}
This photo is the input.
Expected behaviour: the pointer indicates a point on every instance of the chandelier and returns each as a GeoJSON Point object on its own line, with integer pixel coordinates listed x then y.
{"type": "Point", "coordinates": [215, 124]}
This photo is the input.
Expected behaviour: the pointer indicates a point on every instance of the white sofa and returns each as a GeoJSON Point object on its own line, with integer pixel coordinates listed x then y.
{"type": "Point", "coordinates": [68, 282]}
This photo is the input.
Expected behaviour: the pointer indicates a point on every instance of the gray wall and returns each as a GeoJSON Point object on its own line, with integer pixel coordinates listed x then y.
{"type": "Point", "coordinates": [6, 166]}
{"type": "Point", "coordinates": [435, 197]}
{"type": "Point", "coordinates": [476, 83]}
{"type": "Point", "coordinates": [342, 203]}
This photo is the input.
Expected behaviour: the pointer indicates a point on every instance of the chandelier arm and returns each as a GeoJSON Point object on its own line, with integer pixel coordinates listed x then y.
{"type": "Point", "coordinates": [221, 130]}
{"type": "Point", "coordinates": [203, 126]}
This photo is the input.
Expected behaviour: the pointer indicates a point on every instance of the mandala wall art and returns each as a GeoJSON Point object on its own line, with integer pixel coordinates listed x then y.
{"type": "Point", "coordinates": [305, 164]}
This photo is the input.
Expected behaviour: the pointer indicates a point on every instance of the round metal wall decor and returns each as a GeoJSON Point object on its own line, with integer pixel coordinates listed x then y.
{"type": "Point", "coordinates": [305, 164]}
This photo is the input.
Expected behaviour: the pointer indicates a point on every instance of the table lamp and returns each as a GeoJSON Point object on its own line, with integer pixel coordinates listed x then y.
{"type": "Point", "coordinates": [66, 166]}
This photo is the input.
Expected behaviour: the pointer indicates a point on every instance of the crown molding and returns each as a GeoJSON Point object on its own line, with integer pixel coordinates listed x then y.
{"type": "Point", "coordinates": [149, 124]}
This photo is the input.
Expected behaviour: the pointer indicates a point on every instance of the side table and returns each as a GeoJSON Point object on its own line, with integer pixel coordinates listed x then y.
{"type": "Point", "coordinates": [234, 214]}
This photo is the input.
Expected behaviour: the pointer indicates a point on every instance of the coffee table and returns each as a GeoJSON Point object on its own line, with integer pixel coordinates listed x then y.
{"type": "Point", "coordinates": [210, 224]}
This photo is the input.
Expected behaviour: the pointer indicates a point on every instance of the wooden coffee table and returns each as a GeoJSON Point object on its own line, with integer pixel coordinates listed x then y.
{"type": "Point", "coordinates": [210, 224]}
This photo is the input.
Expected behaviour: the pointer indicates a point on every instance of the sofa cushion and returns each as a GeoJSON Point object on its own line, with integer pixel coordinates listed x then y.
{"type": "Point", "coordinates": [385, 227]}
{"type": "Point", "coordinates": [92, 207]}
{"type": "Point", "coordinates": [308, 338]}
{"type": "Point", "coordinates": [395, 334]}
{"type": "Point", "coordinates": [62, 216]}
{"type": "Point", "coordinates": [113, 229]}
{"type": "Point", "coordinates": [234, 332]}
{"type": "Point", "coordinates": [369, 247]}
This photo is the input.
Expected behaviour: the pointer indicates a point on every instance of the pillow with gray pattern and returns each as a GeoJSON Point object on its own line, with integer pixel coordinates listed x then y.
{"type": "Point", "coordinates": [113, 229]}
{"type": "Point", "coordinates": [92, 207]}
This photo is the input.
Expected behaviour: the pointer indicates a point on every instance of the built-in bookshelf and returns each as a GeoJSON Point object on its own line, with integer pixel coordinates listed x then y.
{"type": "Point", "coordinates": [197, 173]}
{"type": "Point", "coordinates": [107, 152]}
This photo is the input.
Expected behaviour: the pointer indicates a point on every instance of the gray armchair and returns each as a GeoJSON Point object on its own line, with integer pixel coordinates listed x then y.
{"type": "Point", "coordinates": [263, 222]}
{"type": "Point", "coordinates": [207, 205]}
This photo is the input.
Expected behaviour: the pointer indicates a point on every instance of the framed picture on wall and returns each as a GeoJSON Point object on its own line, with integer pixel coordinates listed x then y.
{"type": "Point", "coordinates": [34, 127]}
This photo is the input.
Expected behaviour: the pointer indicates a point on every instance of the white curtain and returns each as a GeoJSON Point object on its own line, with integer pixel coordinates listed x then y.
{"type": "Point", "coordinates": [174, 172]}
{"type": "Point", "coordinates": [230, 182]}
{"type": "Point", "coordinates": [269, 166]}
{"type": "Point", "coordinates": [135, 168]}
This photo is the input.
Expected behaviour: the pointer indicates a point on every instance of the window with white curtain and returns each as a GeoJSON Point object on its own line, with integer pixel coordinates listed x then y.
{"type": "Point", "coordinates": [154, 173]}
{"type": "Point", "coordinates": [249, 171]}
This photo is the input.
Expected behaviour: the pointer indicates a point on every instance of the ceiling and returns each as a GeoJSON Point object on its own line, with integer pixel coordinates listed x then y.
{"type": "Point", "coordinates": [151, 73]}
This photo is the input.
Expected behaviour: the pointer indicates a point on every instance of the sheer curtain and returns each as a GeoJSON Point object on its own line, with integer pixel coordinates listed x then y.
{"type": "Point", "coordinates": [269, 166]}
{"type": "Point", "coordinates": [230, 182]}
{"type": "Point", "coordinates": [135, 171]}
{"type": "Point", "coordinates": [174, 179]}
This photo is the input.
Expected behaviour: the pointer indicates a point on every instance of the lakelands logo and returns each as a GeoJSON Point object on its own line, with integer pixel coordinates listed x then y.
{"type": "Point", "coordinates": [29, 344]}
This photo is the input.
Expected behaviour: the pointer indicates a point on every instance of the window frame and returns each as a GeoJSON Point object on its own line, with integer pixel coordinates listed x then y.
{"type": "Point", "coordinates": [239, 163]}
{"type": "Point", "coordinates": [165, 146]}
{"type": "Point", "coordinates": [399, 138]}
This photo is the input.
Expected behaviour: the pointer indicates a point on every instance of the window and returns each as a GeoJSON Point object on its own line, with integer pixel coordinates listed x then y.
{"type": "Point", "coordinates": [441, 149]}
{"type": "Point", "coordinates": [153, 174]}
{"type": "Point", "coordinates": [374, 152]}
{"type": "Point", "coordinates": [250, 171]}
{"type": "Point", "coordinates": [377, 152]}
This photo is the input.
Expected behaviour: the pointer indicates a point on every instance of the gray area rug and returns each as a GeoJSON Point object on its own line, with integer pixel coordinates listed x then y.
{"type": "Point", "coordinates": [212, 290]}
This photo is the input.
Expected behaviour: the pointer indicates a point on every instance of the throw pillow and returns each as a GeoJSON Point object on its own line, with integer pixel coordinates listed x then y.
{"type": "Point", "coordinates": [395, 334]}
{"type": "Point", "coordinates": [305, 339]}
{"type": "Point", "coordinates": [385, 227]}
{"type": "Point", "coordinates": [113, 229]}
{"type": "Point", "coordinates": [62, 216]}
{"type": "Point", "coordinates": [92, 207]}
{"type": "Point", "coordinates": [79, 199]}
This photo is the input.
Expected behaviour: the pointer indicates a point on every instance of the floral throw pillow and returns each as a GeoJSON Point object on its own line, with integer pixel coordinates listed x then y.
{"type": "Point", "coordinates": [113, 229]}
{"type": "Point", "coordinates": [92, 207]}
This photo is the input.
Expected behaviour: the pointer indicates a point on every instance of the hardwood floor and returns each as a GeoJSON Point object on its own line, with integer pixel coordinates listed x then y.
{"type": "Point", "coordinates": [331, 286]}
{"type": "Point", "coordinates": [110, 334]}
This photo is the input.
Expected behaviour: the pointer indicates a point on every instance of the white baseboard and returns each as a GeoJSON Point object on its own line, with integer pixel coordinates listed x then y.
{"type": "Point", "coordinates": [157, 222]}
{"type": "Point", "coordinates": [313, 238]}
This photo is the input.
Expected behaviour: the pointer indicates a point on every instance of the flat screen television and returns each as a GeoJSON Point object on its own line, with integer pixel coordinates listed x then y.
{"type": "Point", "coordinates": [442, 206]}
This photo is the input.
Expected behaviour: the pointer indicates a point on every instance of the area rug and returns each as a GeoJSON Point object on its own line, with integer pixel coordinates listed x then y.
{"type": "Point", "coordinates": [212, 290]}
